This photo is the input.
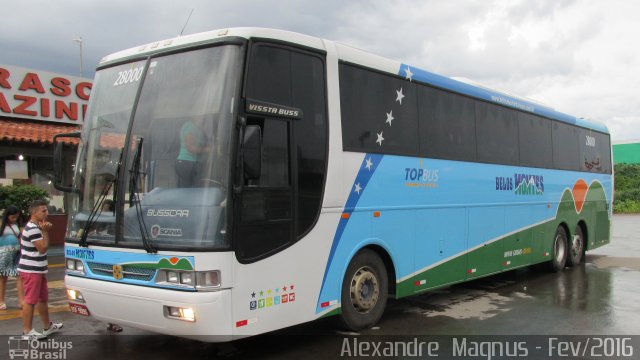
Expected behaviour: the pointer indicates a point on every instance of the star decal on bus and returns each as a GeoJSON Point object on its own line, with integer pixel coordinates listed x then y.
{"type": "Point", "coordinates": [390, 117]}
{"type": "Point", "coordinates": [380, 138]}
{"type": "Point", "coordinates": [407, 70]}
{"type": "Point", "coordinates": [400, 96]}
{"type": "Point", "coordinates": [369, 164]}
{"type": "Point", "coordinates": [358, 188]}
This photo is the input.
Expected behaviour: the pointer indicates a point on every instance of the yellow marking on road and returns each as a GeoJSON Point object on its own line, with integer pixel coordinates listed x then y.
{"type": "Point", "coordinates": [17, 313]}
{"type": "Point", "coordinates": [56, 265]}
{"type": "Point", "coordinates": [58, 284]}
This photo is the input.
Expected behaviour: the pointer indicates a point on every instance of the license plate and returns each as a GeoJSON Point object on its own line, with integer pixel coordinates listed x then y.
{"type": "Point", "coordinates": [79, 309]}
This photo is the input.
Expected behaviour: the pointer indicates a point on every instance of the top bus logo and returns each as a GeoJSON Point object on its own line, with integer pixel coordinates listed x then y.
{"type": "Point", "coordinates": [521, 184]}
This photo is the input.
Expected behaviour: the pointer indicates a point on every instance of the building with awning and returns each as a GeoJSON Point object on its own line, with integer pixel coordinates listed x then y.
{"type": "Point", "coordinates": [34, 106]}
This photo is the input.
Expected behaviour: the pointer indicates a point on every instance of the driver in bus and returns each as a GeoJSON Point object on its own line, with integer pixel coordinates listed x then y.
{"type": "Point", "coordinates": [193, 145]}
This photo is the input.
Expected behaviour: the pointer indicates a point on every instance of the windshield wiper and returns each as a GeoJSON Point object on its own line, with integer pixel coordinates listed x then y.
{"type": "Point", "coordinates": [133, 193]}
{"type": "Point", "coordinates": [96, 210]}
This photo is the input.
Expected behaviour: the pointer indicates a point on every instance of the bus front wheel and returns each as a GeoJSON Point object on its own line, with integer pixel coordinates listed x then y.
{"type": "Point", "coordinates": [559, 259]}
{"type": "Point", "coordinates": [364, 291]}
{"type": "Point", "coordinates": [576, 248]}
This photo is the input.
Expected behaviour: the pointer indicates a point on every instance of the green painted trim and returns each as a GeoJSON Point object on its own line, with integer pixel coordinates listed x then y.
{"type": "Point", "coordinates": [336, 311]}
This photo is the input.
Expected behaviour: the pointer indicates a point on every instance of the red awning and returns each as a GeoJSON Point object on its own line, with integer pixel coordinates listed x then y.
{"type": "Point", "coordinates": [35, 131]}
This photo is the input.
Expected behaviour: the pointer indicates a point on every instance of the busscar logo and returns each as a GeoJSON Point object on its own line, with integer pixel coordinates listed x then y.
{"type": "Point", "coordinates": [168, 212]}
{"type": "Point", "coordinates": [25, 347]}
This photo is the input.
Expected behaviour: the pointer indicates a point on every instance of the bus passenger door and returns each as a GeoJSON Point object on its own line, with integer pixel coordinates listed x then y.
{"type": "Point", "coordinates": [264, 212]}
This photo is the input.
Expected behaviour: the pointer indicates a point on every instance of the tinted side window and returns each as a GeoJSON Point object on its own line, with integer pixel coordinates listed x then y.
{"type": "Point", "coordinates": [565, 146]}
{"type": "Point", "coordinates": [595, 153]}
{"type": "Point", "coordinates": [447, 125]}
{"type": "Point", "coordinates": [275, 154]}
{"type": "Point", "coordinates": [270, 75]}
{"type": "Point", "coordinates": [604, 146]}
{"type": "Point", "coordinates": [378, 112]}
{"type": "Point", "coordinates": [535, 141]}
{"type": "Point", "coordinates": [310, 136]}
{"type": "Point", "coordinates": [497, 134]}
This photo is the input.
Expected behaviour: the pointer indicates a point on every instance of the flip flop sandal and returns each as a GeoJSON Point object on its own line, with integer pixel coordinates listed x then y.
{"type": "Point", "coordinates": [114, 328]}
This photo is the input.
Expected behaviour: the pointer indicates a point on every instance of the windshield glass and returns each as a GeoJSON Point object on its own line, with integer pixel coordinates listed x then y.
{"type": "Point", "coordinates": [174, 182]}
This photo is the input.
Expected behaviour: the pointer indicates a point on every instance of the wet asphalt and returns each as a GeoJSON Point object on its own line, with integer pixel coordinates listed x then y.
{"type": "Point", "coordinates": [599, 297]}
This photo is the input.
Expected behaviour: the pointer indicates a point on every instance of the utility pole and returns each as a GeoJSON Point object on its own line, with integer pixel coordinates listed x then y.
{"type": "Point", "coordinates": [79, 41]}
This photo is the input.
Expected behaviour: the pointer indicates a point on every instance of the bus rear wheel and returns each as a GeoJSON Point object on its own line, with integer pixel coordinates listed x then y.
{"type": "Point", "coordinates": [559, 259]}
{"type": "Point", "coordinates": [364, 291]}
{"type": "Point", "coordinates": [576, 249]}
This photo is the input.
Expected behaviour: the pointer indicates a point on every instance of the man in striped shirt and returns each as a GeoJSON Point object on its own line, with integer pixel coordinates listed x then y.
{"type": "Point", "coordinates": [34, 242]}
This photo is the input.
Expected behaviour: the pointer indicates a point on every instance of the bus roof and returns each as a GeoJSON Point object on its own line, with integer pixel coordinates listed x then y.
{"type": "Point", "coordinates": [357, 56]}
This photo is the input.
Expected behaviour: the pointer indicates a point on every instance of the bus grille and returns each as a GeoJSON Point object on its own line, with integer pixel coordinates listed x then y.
{"type": "Point", "coordinates": [128, 272]}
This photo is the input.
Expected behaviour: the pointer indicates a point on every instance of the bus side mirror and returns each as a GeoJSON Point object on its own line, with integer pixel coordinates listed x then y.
{"type": "Point", "coordinates": [58, 163]}
{"type": "Point", "coordinates": [252, 152]}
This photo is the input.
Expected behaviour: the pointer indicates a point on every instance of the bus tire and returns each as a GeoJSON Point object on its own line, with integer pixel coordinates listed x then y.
{"type": "Point", "coordinates": [559, 259]}
{"type": "Point", "coordinates": [364, 291]}
{"type": "Point", "coordinates": [576, 248]}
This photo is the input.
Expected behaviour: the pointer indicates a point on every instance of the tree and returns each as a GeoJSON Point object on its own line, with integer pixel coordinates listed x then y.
{"type": "Point", "coordinates": [21, 196]}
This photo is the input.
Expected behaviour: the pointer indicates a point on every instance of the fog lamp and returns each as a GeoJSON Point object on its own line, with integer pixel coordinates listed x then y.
{"type": "Point", "coordinates": [178, 313]}
{"type": "Point", "coordinates": [75, 295]}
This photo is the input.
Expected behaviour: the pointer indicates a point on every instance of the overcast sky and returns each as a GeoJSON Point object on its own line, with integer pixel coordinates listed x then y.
{"type": "Point", "coordinates": [578, 56]}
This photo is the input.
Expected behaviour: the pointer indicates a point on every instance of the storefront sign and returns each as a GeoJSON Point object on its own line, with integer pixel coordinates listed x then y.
{"type": "Point", "coordinates": [40, 95]}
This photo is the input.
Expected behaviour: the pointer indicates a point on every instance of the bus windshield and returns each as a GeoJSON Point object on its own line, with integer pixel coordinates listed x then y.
{"type": "Point", "coordinates": [153, 166]}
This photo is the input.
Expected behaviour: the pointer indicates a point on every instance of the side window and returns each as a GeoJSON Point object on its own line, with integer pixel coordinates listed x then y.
{"type": "Point", "coordinates": [595, 150]}
{"type": "Point", "coordinates": [534, 139]}
{"type": "Point", "coordinates": [275, 154]}
{"type": "Point", "coordinates": [447, 125]}
{"type": "Point", "coordinates": [270, 75]}
{"type": "Point", "coordinates": [604, 144]}
{"type": "Point", "coordinates": [497, 134]}
{"type": "Point", "coordinates": [565, 146]}
{"type": "Point", "coordinates": [379, 112]}
{"type": "Point", "coordinates": [310, 136]}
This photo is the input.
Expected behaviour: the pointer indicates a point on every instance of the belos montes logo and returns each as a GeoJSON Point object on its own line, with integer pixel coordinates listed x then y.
{"type": "Point", "coordinates": [521, 184]}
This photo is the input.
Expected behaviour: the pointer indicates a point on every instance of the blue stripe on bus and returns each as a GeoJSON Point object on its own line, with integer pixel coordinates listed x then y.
{"type": "Point", "coordinates": [362, 179]}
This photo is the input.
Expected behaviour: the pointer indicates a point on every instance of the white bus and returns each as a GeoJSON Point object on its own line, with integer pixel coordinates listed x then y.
{"type": "Point", "coordinates": [238, 181]}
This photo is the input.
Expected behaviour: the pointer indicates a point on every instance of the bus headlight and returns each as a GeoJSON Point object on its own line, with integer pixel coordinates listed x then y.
{"type": "Point", "coordinates": [74, 266]}
{"type": "Point", "coordinates": [201, 280]}
{"type": "Point", "coordinates": [206, 279]}
{"type": "Point", "coordinates": [172, 277]}
{"type": "Point", "coordinates": [186, 278]}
